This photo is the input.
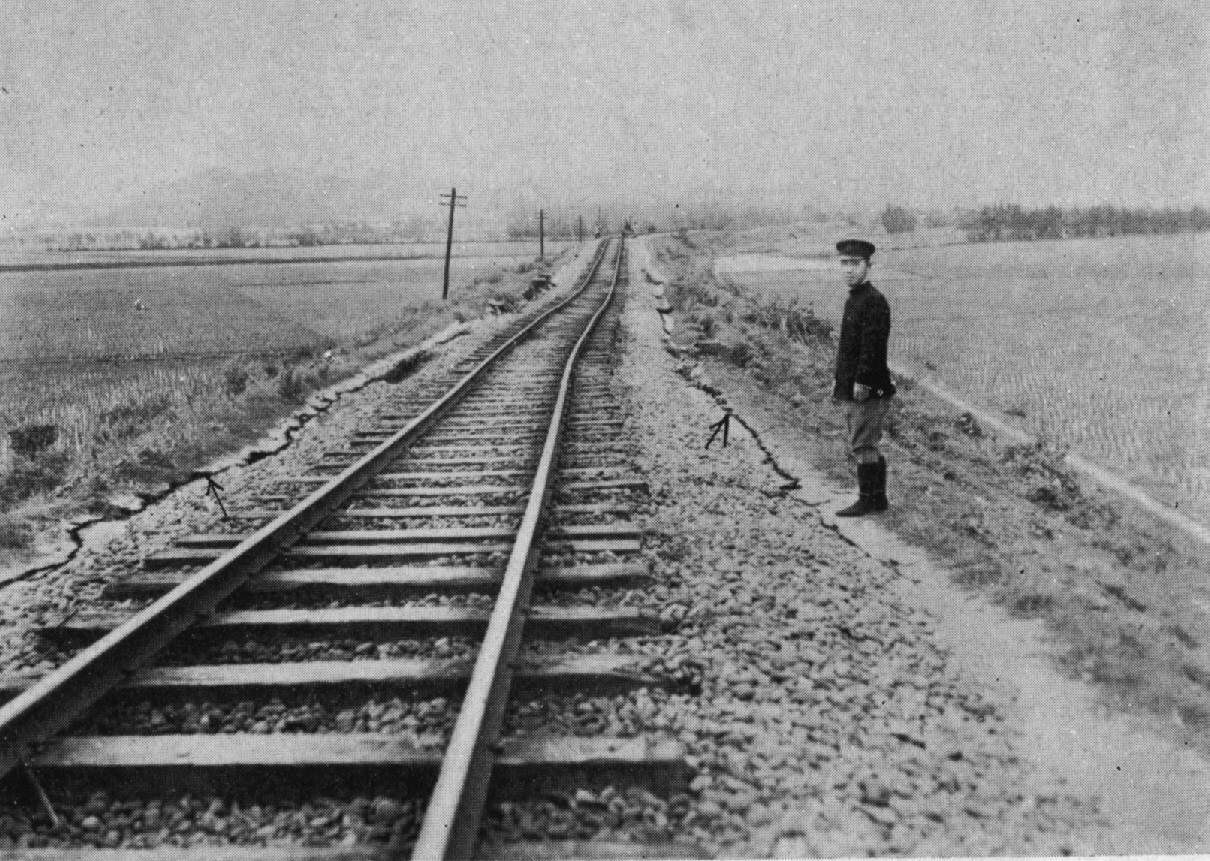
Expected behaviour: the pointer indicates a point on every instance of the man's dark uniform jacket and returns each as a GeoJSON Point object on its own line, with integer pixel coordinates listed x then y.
{"type": "Point", "coordinates": [861, 355]}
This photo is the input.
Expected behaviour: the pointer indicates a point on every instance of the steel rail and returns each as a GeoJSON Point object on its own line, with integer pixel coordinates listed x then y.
{"type": "Point", "coordinates": [63, 695]}
{"type": "Point", "coordinates": [455, 808]}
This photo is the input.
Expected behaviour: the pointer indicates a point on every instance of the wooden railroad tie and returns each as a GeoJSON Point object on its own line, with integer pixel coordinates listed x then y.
{"type": "Point", "coordinates": [354, 554]}
{"type": "Point", "coordinates": [385, 582]}
{"type": "Point", "coordinates": [386, 622]}
{"type": "Point", "coordinates": [444, 511]}
{"type": "Point", "coordinates": [369, 762]}
{"type": "Point", "coordinates": [579, 673]}
{"type": "Point", "coordinates": [547, 850]}
{"type": "Point", "coordinates": [221, 541]}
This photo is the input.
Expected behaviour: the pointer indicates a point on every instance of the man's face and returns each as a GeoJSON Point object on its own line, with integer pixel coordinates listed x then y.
{"type": "Point", "coordinates": [855, 269]}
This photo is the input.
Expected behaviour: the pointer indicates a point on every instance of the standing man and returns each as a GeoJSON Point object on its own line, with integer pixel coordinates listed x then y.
{"type": "Point", "coordinates": [863, 381]}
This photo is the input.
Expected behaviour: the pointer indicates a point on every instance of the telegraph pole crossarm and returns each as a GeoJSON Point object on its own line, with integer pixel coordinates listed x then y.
{"type": "Point", "coordinates": [454, 200]}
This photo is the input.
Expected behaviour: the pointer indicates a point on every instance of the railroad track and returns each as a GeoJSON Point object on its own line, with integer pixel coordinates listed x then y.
{"type": "Point", "coordinates": [320, 646]}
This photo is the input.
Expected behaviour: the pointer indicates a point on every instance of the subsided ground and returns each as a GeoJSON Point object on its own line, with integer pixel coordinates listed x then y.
{"type": "Point", "coordinates": [836, 717]}
{"type": "Point", "coordinates": [830, 720]}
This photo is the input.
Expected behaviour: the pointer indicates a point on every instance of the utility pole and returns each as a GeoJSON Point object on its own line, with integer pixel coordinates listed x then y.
{"type": "Point", "coordinates": [454, 200]}
{"type": "Point", "coordinates": [541, 234]}
{"type": "Point", "coordinates": [580, 230]}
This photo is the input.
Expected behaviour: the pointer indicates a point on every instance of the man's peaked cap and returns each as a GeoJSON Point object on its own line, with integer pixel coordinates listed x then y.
{"type": "Point", "coordinates": [855, 248]}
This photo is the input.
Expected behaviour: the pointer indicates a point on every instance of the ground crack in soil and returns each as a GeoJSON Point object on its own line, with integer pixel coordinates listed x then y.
{"type": "Point", "coordinates": [792, 481]}
{"type": "Point", "coordinates": [286, 433]}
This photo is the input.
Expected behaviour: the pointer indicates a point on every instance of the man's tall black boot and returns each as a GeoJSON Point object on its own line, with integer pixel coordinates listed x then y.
{"type": "Point", "coordinates": [867, 476]}
{"type": "Point", "coordinates": [880, 500]}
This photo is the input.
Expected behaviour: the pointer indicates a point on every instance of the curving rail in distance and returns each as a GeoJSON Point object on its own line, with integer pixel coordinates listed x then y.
{"type": "Point", "coordinates": [451, 821]}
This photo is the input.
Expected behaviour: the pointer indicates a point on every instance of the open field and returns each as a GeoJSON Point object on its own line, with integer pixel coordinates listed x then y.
{"type": "Point", "coordinates": [146, 373]}
{"type": "Point", "coordinates": [80, 342]}
{"type": "Point", "coordinates": [193, 311]}
{"type": "Point", "coordinates": [17, 255]}
{"type": "Point", "coordinates": [1099, 345]}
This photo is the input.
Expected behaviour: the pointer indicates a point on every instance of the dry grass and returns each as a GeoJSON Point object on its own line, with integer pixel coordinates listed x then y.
{"type": "Point", "coordinates": [16, 533]}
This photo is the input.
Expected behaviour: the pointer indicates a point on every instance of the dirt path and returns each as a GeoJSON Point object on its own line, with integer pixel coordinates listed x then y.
{"type": "Point", "coordinates": [1150, 789]}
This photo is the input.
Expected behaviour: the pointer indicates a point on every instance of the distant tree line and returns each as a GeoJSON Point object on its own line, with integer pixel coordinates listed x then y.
{"type": "Point", "coordinates": [341, 233]}
{"type": "Point", "coordinates": [556, 226]}
{"type": "Point", "coordinates": [1011, 222]}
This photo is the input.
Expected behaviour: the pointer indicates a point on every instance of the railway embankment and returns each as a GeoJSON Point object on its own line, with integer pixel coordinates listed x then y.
{"type": "Point", "coordinates": [1062, 628]}
{"type": "Point", "coordinates": [339, 451]}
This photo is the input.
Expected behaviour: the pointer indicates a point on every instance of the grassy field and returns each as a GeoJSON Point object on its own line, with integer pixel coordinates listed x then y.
{"type": "Point", "coordinates": [191, 311]}
{"type": "Point", "coordinates": [1098, 345]}
{"type": "Point", "coordinates": [146, 373]}
{"type": "Point", "coordinates": [14, 254]}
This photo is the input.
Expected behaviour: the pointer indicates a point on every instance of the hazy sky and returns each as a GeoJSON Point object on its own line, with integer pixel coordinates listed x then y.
{"type": "Point", "coordinates": [929, 103]}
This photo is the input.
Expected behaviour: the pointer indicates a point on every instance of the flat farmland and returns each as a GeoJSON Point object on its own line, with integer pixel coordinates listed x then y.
{"type": "Point", "coordinates": [1098, 345]}
{"type": "Point", "coordinates": [193, 310]}
{"type": "Point", "coordinates": [132, 362]}
{"type": "Point", "coordinates": [16, 255]}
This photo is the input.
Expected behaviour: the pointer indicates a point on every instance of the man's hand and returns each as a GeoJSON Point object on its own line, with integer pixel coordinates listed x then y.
{"type": "Point", "coordinates": [861, 392]}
